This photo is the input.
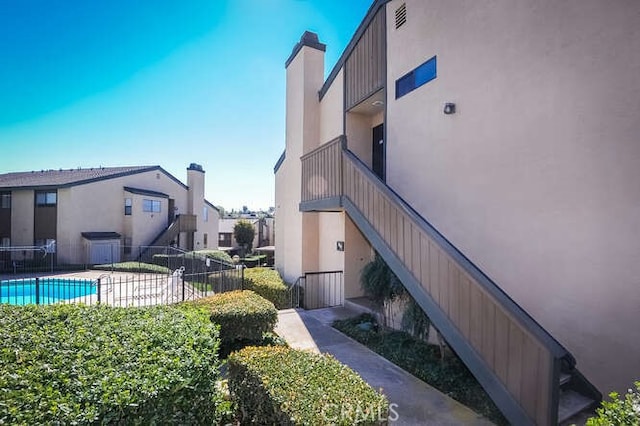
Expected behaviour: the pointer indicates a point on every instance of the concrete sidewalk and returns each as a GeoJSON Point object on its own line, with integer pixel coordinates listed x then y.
{"type": "Point", "coordinates": [414, 402]}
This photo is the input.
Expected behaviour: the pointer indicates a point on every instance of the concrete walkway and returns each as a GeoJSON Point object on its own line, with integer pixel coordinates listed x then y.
{"type": "Point", "coordinates": [413, 402]}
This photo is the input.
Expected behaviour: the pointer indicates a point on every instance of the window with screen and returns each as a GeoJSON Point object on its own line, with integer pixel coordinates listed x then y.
{"type": "Point", "coordinates": [151, 206]}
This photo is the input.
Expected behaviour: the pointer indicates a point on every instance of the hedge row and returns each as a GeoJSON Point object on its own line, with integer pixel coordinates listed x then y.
{"type": "Point", "coordinates": [279, 385]}
{"type": "Point", "coordinates": [215, 255]}
{"type": "Point", "coordinates": [230, 279]}
{"type": "Point", "coordinates": [139, 267]}
{"type": "Point", "coordinates": [242, 315]}
{"type": "Point", "coordinates": [219, 255]}
{"type": "Point", "coordinates": [74, 364]}
{"type": "Point", "coordinates": [268, 284]}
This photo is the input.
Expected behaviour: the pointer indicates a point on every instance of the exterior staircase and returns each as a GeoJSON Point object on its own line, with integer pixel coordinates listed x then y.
{"type": "Point", "coordinates": [530, 376]}
{"type": "Point", "coordinates": [181, 223]}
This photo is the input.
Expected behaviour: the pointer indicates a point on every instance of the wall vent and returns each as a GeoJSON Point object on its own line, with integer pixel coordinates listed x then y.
{"type": "Point", "coordinates": [401, 15]}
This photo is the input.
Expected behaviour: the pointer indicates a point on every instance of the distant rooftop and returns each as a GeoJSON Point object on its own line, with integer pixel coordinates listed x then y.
{"type": "Point", "coordinates": [67, 177]}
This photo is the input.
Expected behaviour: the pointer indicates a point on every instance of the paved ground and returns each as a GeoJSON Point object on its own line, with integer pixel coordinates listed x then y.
{"type": "Point", "coordinates": [414, 402]}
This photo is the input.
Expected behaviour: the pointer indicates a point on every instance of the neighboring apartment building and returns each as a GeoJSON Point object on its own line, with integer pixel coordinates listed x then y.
{"type": "Point", "coordinates": [105, 214]}
{"type": "Point", "coordinates": [263, 226]}
{"type": "Point", "coordinates": [489, 152]}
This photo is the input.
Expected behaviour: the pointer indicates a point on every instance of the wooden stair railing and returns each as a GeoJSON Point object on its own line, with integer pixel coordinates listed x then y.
{"type": "Point", "coordinates": [517, 362]}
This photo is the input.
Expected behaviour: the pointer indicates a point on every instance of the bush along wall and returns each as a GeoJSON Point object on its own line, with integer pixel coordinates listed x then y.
{"type": "Point", "coordinates": [279, 385]}
{"type": "Point", "coordinates": [242, 315]}
{"type": "Point", "coordinates": [138, 267]}
{"type": "Point", "coordinates": [268, 284]}
{"type": "Point", "coordinates": [74, 364]}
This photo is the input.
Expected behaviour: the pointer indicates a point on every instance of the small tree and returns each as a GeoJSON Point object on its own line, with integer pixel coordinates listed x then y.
{"type": "Point", "coordinates": [244, 233]}
{"type": "Point", "coordinates": [380, 284]}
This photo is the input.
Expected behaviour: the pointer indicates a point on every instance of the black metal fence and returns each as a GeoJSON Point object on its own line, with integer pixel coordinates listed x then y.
{"type": "Point", "coordinates": [118, 289]}
{"type": "Point", "coordinates": [58, 257]}
{"type": "Point", "coordinates": [316, 290]}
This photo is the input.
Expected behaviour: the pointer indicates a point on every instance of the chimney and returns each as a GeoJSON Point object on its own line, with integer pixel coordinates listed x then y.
{"type": "Point", "coordinates": [305, 76]}
{"type": "Point", "coordinates": [195, 182]}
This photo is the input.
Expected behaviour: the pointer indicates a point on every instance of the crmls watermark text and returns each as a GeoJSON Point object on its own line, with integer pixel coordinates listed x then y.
{"type": "Point", "coordinates": [355, 413]}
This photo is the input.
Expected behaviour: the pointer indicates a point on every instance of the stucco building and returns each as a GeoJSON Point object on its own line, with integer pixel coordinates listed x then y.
{"type": "Point", "coordinates": [262, 225]}
{"type": "Point", "coordinates": [489, 152]}
{"type": "Point", "coordinates": [105, 214]}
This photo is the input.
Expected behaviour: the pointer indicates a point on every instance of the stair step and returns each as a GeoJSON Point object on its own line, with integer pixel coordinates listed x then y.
{"type": "Point", "coordinates": [571, 403]}
{"type": "Point", "coordinates": [564, 378]}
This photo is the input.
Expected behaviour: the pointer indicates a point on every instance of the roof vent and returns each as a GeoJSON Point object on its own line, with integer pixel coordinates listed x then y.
{"type": "Point", "coordinates": [401, 15]}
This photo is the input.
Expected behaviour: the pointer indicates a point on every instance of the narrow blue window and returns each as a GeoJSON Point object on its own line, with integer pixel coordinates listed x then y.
{"type": "Point", "coordinates": [415, 78]}
{"type": "Point", "coordinates": [426, 72]}
{"type": "Point", "coordinates": [405, 84]}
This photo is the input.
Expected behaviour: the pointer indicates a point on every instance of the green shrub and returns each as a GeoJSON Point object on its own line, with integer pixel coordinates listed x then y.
{"type": "Point", "coordinates": [268, 284]}
{"type": "Point", "coordinates": [76, 364]}
{"type": "Point", "coordinates": [450, 376]}
{"type": "Point", "coordinates": [279, 385]}
{"type": "Point", "coordinates": [174, 261]}
{"type": "Point", "coordinates": [254, 261]}
{"type": "Point", "coordinates": [619, 412]}
{"type": "Point", "coordinates": [242, 315]}
{"type": "Point", "coordinates": [226, 280]}
{"type": "Point", "coordinates": [139, 267]}
{"type": "Point", "coordinates": [218, 255]}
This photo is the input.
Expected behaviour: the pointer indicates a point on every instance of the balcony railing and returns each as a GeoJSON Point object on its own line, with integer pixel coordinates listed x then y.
{"type": "Point", "coordinates": [514, 358]}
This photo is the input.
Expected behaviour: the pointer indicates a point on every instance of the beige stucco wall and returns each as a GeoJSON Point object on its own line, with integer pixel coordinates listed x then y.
{"type": "Point", "coordinates": [331, 110]}
{"type": "Point", "coordinates": [296, 234]}
{"type": "Point", "coordinates": [209, 227]}
{"type": "Point", "coordinates": [357, 253]}
{"type": "Point", "coordinates": [22, 217]}
{"type": "Point", "coordinates": [284, 208]}
{"type": "Point", "coordinates": [358, 127]}
{"type": "Point", "coordinates": [196, 206]}
{"type": "Point", "coordinates": [330, 231]}
{"type": "Point", "coordinates": [99, 207]}
{"type": "Point", "coordinates": [535, 178]}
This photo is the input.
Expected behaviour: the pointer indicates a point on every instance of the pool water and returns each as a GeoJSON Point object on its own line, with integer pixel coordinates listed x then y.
{"type": "Point", "coordinates": [50, 290]}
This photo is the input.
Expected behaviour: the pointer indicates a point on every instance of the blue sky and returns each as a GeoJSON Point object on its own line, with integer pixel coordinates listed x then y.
{"type": "Point", "coordinates": [126, 82]}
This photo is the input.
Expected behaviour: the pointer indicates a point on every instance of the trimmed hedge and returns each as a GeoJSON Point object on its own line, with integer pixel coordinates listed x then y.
{"type": "Point", "coordinates": [268, 284]}
{"type": "Point", "coordinates": [219, 255]}
{"type": "Point", "coordinates": [76, 364]}
{"type": "Point", "coordinates": [227, 280]}
{"type": "Point", "coordinates": [242, 315]}
{"type": "Point", "coordinates": [215, 255]}
{"type": "Point", "coordinates": [139, 267]}
{"type": "Point", "coordinates": [279, 385]}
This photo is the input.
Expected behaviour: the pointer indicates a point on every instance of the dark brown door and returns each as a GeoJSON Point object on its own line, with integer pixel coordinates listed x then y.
{"type": "Point", "coordinates": [378, 152]}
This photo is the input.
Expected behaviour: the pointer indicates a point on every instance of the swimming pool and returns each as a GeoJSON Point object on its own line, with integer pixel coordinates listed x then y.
{"type": "Point", "coordinates": [49, 290]}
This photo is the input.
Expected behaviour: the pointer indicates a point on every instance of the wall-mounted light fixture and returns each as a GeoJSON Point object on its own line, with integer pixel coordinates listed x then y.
{"type": "Point", "coordinates": [377, 103]}
{"type": "Point", "coordinates": [449, 108]}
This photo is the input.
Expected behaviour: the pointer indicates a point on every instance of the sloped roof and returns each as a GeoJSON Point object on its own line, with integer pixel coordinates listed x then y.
{"type": "Point", "coordinates": [70, 177]}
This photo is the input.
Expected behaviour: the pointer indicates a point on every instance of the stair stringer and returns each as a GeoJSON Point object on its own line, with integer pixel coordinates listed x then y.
{"type": "Point", "coordinates": [492, 385]}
